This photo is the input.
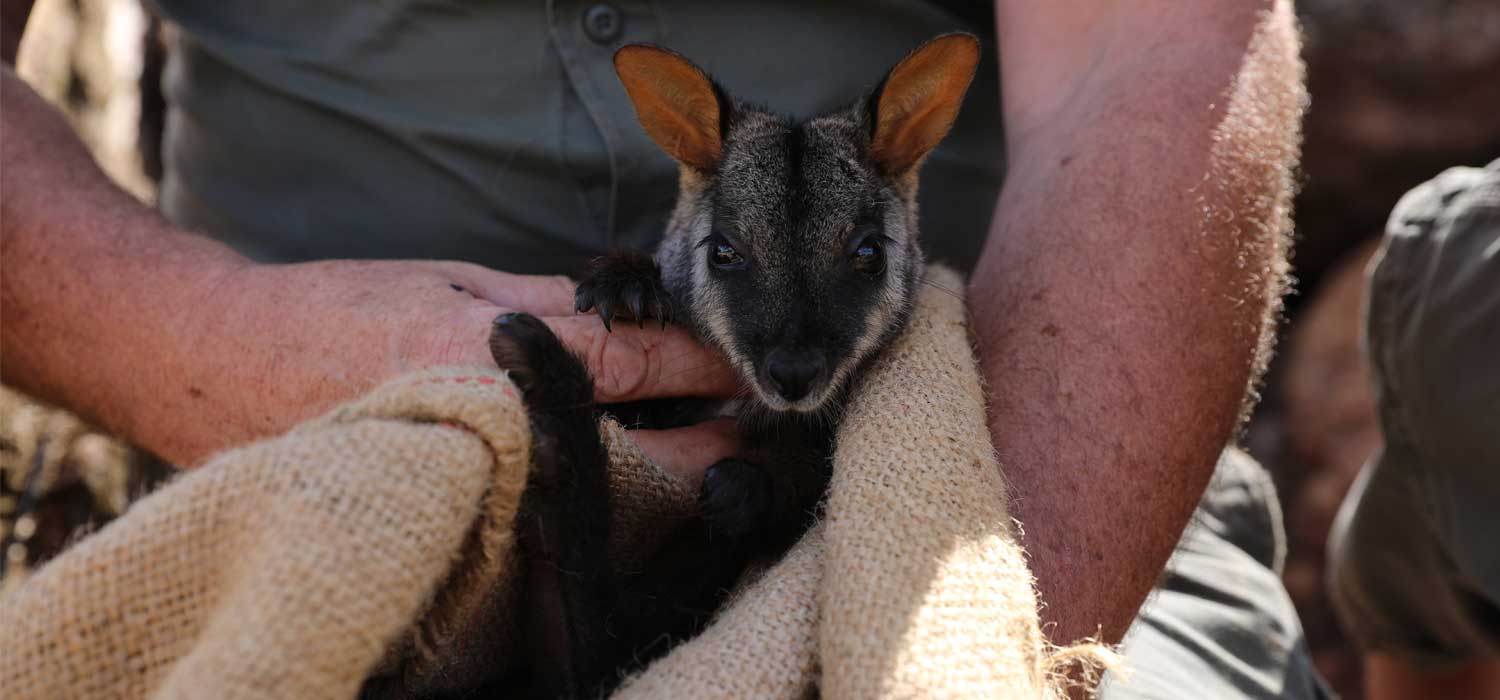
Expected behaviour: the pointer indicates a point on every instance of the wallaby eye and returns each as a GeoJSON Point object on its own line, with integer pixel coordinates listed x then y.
{"type": "Point", "coordinates": [725, 257]}
{"type": "Point", "coordinates": [869, 256]}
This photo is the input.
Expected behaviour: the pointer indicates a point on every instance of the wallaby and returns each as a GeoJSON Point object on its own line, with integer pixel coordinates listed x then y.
{"type": "Point", "coordinates": [793, 250]}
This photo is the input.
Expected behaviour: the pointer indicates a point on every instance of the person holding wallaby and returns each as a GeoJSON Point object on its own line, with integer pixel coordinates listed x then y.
{"type": "Point", "coordinates": [1414, 570]}
{"type": "Point", "coordinates": [1116, 184]}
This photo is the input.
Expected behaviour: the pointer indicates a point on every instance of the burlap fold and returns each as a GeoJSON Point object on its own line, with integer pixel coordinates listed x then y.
{"type": "Point", "coordinates": [376, 542]}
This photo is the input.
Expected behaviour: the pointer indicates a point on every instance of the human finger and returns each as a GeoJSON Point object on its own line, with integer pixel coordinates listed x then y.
{"type": "Point", "coordinates": [632, 363]}
{"type": "Point", "coordinates": [688, 452]}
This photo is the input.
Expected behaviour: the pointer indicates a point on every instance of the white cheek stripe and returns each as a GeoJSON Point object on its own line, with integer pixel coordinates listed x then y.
{"type": "Point", "coordinates": [711, 309]}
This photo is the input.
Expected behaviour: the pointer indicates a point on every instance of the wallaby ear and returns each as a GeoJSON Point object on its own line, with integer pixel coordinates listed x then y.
{"type": "Point", "coordinates": [675, 101]}
{"type": "Point", "coordinates": [915, 105]}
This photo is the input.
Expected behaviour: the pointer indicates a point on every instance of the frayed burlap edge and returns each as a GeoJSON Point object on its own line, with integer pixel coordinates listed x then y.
{"type": "Point", "coordinates": [296, 567]}
{"type": "Point", "coordinates": [914, 585]}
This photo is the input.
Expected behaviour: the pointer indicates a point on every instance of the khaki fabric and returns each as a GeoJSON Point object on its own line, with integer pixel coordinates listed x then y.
{"type": "Point", "coordinates": [1413, 566]}
{"type": "Point", "coordinates": [376, 542]}
{"type": "Point", "coordinates": [498, 133]}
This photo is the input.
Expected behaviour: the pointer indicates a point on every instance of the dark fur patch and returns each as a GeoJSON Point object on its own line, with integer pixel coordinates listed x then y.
{"type": "Point", "coordinates": [736, 499]}
{"type": "Point", "coordinates": [624, 284]}
{"type": "Point", "coordinates": [565, 549]}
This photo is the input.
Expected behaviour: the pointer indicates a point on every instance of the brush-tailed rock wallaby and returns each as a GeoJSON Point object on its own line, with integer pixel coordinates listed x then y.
{"type": "Point", "coordinates": [792, 250]}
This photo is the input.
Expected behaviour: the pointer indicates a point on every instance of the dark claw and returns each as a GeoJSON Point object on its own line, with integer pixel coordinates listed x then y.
{"type": "Point", "coordinates": [634, 297]}
{"type": "Point", "coordinates": [660, 309]}
{"type": "Point", "coordinates": [624, 283]}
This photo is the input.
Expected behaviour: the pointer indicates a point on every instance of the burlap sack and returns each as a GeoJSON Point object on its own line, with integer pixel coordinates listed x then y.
{"type": "Point", "coordinates": [376, 541]}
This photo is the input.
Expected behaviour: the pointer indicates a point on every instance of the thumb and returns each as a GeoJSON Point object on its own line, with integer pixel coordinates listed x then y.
{"type": "Point", "coordinates": [631, 363]}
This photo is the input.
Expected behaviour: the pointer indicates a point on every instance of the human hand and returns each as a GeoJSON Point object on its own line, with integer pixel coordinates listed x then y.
{"type": "Point", "coordinates": [327, 331]}
{"type": "Point", "coordinates": [180, 345]}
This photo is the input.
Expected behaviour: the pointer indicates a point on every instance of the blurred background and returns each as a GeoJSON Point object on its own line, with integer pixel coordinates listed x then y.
{"type": "Point", "coordinates": [1401, 89]}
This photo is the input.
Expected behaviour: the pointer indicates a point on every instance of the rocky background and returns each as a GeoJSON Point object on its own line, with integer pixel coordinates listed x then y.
{"type": "Point", "coordinates": [1401, 89]}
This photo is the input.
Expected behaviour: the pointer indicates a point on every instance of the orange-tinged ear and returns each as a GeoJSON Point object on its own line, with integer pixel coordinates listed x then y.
{"type": "Point", "coordinates": [675, 101]}
{"type": "Point", "coordinates": [919, 100]}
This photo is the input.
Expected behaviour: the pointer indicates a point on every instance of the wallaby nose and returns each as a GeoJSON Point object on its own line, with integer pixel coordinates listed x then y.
{"type": "Point", "coordinates": [793, 372]}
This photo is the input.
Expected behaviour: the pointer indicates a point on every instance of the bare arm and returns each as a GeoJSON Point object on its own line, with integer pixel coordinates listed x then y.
{"type": "Point", "coordinates": [182, 346]}
{"type": "Point", "coordinates": [1126, 297]}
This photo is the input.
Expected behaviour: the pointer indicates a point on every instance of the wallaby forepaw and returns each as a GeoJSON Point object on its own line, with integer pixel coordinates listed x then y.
{"type": "Point", "coordinates": [624, 285]}
{"type": "Point", "coordinates": [736, 498]}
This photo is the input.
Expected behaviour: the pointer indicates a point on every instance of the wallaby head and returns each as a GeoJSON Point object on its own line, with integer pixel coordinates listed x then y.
{"type": "Point", "coordinates": [793, 246]}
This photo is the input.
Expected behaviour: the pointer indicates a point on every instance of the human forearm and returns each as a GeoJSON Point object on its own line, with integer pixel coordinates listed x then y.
{"type": "Point", "coordinates": [1129, 285]}
{"type": "Point", "coordinates": [93, 282]}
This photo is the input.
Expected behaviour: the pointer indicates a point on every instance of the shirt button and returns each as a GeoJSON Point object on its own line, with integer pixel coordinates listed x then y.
{"type": "Point", "coordinates": [603, 23]}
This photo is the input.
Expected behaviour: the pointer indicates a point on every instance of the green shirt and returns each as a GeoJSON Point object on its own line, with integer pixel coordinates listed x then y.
{"type": "Point", "coordinates": [497, 132]}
